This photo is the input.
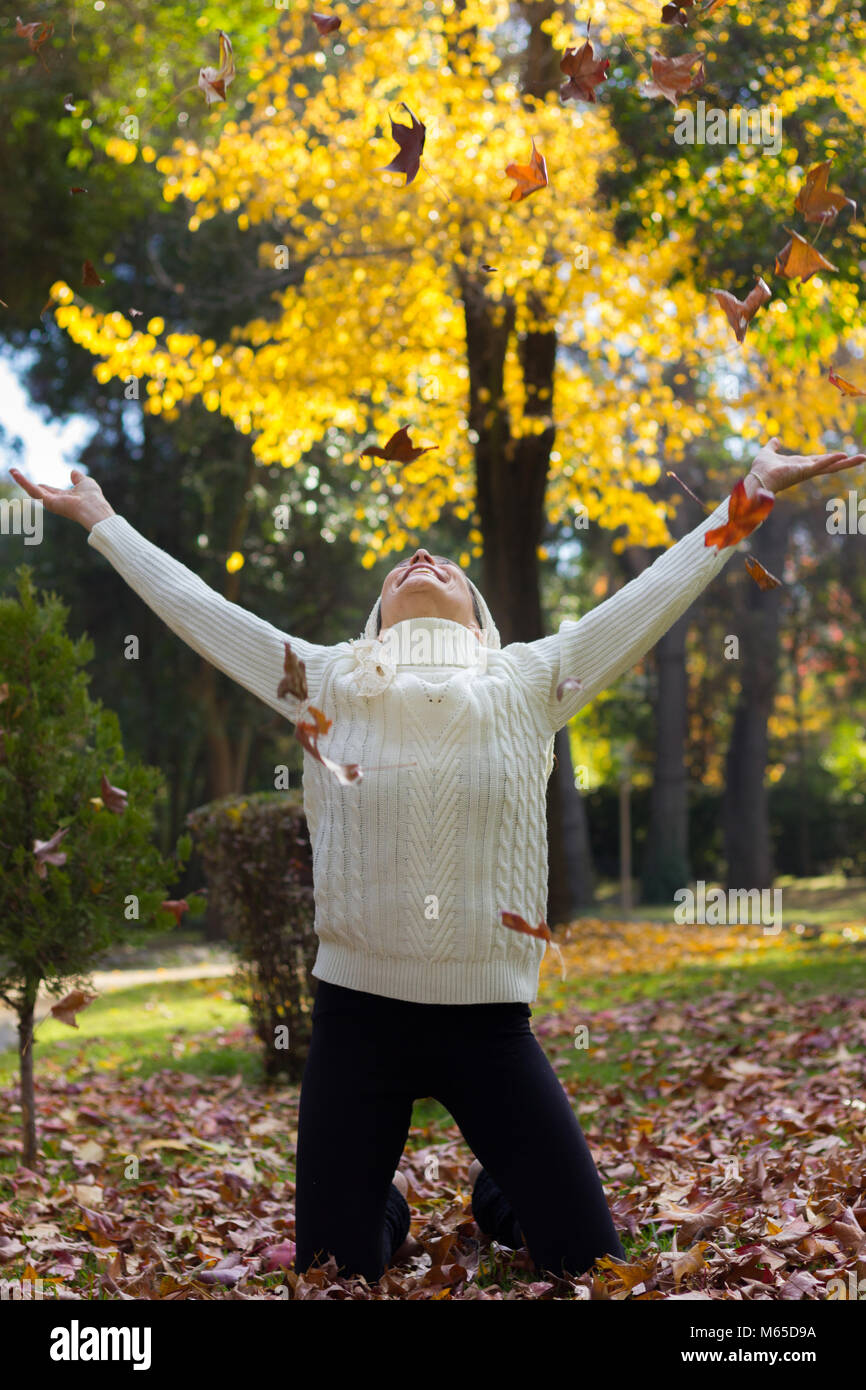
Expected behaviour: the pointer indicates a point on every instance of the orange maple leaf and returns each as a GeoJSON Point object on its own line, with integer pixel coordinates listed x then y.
{"type": "Point", "coordinates": [399, 448]}
{"type": "Point", "coordinates": [307, 733]}
{"type": "Point", "coordinates": [585, 72]}
{"type": "Point", "coordinates": [36, 35]}
{"type": "Point", "coordinates": [673, 77]}
{"type": "Point", "coordinates": [71, 1004]}
{"type": "Point", "coordinates": [846, 387]}
{"type": "Point", "coordinates": [798, 259]}
{"type": "Point", "coordinates": [741, 312]}
{"type": "Point", "coordinates": [816, 201]}
{"type": "Point", "coordinates": [530, 177]}
{"type": "Point", "coordinates": [294, 681]}
{"type": "Point", "coordinates": [762, 577]}
{"type": "Point", "coordinates": [744, 514]}
{"type": "Point", "coordinates": [542, 931]}
{"type": "Point", "coordinates": [176, 905]}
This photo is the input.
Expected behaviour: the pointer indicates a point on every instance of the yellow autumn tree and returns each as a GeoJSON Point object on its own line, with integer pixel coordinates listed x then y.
{"type": "Point", "coordinates": [392, 277]}
{"type": "Point", "coordinates": [374, 335]}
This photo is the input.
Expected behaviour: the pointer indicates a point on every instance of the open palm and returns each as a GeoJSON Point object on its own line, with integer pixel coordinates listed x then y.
{"type": "Point", "coordinates": [779, 471]}
{"type": "Point", "coordinates": [83, 502]}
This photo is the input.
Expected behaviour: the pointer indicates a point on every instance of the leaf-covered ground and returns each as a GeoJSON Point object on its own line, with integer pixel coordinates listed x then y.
{"type": "Point", "coordinates": [718, 1074]}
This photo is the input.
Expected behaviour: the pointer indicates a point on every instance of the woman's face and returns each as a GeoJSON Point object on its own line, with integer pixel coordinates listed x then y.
{"type": "Point", "coordinates": [427, 586]}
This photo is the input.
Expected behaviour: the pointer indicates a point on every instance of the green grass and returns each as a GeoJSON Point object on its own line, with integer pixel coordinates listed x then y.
{"type": "Point", "coordinates": [824, 901]}
{"type": "Point", "coordinates": [145, 1029]}
{"type": "Point", "coordinates": [804, 968]}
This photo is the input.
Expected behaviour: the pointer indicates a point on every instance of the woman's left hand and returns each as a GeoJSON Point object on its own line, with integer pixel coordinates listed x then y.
{"type": "Point", "coordinates": [777, 471]}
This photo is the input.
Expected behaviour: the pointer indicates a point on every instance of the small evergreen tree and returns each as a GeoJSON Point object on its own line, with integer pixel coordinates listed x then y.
{"type": "Point", "coordinates": [78, 865]}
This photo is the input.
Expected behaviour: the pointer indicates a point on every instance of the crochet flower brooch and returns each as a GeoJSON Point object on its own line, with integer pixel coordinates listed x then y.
{"type": "Point", "coordinates": [375, 665]}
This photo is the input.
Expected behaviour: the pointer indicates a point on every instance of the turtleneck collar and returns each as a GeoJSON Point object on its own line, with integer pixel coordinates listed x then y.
{"type": "Point", "coordinates": [432, 641]}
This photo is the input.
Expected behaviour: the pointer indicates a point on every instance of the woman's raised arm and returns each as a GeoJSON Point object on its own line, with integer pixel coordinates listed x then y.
{"type": "Point", "coordinates": [612, 638]}
{"type": "Point", "coordinates": [246, 648]}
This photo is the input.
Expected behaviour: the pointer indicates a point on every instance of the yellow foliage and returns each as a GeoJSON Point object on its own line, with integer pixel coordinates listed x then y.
{"type": "Point", "coordinates": [375, 335]}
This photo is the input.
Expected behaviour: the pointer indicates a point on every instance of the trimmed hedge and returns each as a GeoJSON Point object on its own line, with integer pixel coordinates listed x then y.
{"type": "Point", "coordinates": [259, 868]}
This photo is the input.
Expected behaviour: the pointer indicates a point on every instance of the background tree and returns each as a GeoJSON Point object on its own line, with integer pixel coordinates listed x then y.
{"type": "Point", "coordinates": [78, 869]}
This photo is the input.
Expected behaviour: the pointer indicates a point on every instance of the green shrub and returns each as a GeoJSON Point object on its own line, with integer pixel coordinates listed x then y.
{"type": "Point", "coordinates": [105, 880]}
{"type": "Point", "coordinates": [259, 868]}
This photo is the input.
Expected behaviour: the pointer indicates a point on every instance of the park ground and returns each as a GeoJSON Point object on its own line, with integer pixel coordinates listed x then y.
{"type": "Point", "coordinates": [718, 1074]}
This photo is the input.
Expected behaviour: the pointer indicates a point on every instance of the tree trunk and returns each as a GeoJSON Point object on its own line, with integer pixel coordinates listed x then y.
{"type": "Point", "coordinates": [746, 818]}
{"type": "Point", "coordinates": [804, 837]}
{"type": "Point", "coordinates": [511, 477]}
{"type": "Point", "coordinates": [666, 856]}
{"type": "Point", "coordinates": [226, 755]}
{"type": "Point", "coordinates": [626, 837]}
{"type": "Point", "coordinates": [571, 877]}
{"type": "Point", "coordinates": [666, 865]}
{"type": "Point", "coordinates": [25, 1065]}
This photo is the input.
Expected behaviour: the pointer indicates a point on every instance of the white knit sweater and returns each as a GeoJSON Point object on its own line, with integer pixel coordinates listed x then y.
{"type": "Point", "coordinates": [413, 865]}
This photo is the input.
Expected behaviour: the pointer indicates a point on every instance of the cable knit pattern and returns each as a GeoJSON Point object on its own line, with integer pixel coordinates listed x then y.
{"type": "Point", "coordinates": [413, 865]}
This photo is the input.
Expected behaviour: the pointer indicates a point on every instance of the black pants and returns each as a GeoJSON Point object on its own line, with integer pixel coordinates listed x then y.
{"type": "Point", "coordinates": [370, 1058]}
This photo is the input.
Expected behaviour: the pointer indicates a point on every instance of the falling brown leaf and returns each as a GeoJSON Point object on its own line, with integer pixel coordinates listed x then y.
{"type": "Point", "coordinates": [517, 923]}
{"type": "Point", "coordinates": [741, 312]}
{"type": "Point", "coordinates": [585, 72]}
{"type": "Point", "coordinates": [816, 201]}
{"type": "Point", "coordinates": [115, 799]}
{"type": "Point", "coordinates": [673, 77]}
{"type": "Point", "coordinates": [530, 177]}
{"type": "Point", "coordinates": [762, 577]}
{"type": "Point", "coordinates": [177, 906]}
{"type": "Point", "coordinates": [214, 81]}
{"type": "Point", "coordinates": [307, 733]}
{"type": "Point", "coordinates": [326, 23]}
{"type": "Point", "coordinates": [46, 852]}
{"type": "Point", "coordinates": [677, 13]}
{"type": "Point", "coordinates": [71, 1004]}
{"type": "Point", "coordinates": [399, 448]}
{"type": "Point", "coordinates": [294, 681]}
{"type": "Point", "coordinates": [744, 514]}
{"type": "Point", "coordinates": [798, 259]}
{"type": "Point", "coordinates": [89, 275]}
{"type": "Point", "coordinates": [36, 35]}
{"type": "Point", "coordinates": [570, 683]}
{"type": "Point", "coordinates": [411, 141]}
{"type": "Point", "coordinates": [846, 387]}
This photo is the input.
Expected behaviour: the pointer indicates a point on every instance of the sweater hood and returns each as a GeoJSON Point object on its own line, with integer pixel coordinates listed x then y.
{"type": "Point", "coordinates": [489, 630]}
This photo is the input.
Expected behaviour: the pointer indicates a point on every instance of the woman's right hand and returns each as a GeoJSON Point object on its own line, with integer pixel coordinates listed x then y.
{"type": "Point", "coordinates": [83, 502]}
